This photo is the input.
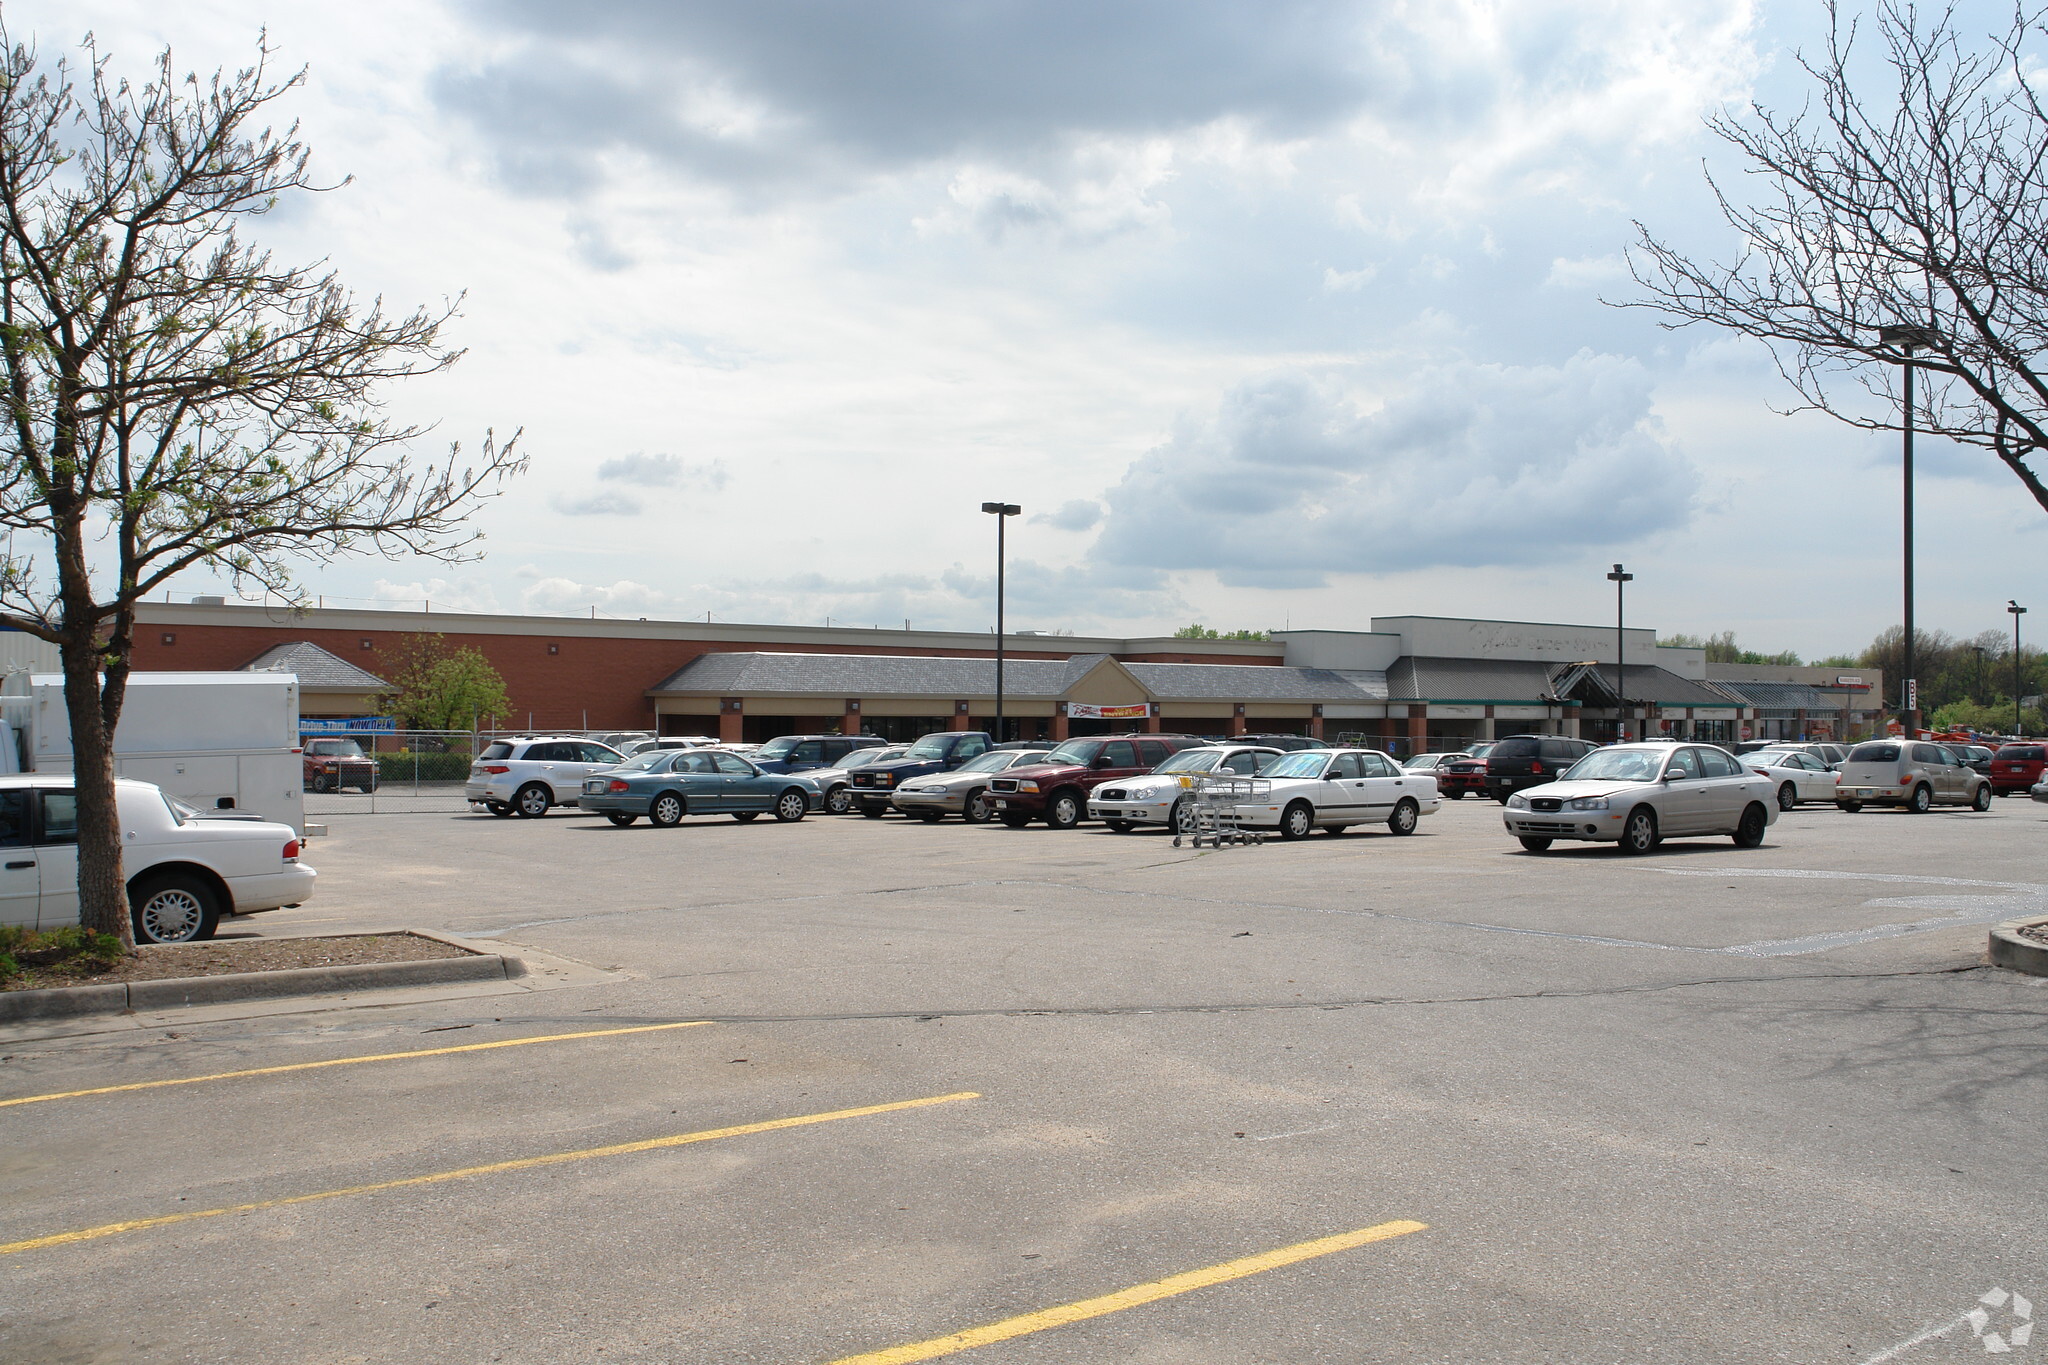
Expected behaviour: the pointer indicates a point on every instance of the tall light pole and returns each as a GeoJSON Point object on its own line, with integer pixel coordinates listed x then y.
{"type": "Point", "coordinates": [1002, 512]}
{"type": "Point", "coordinates": [1906, 337]}
{"type": "Point", "coordinates": [2017, 612]}
{"type": "Point", "coordinates": [1618, 578]}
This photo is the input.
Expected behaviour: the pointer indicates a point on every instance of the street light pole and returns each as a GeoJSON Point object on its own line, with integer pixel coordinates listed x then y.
{"type": "Point", "coordinates": [1002, 512]}
{"type": "Point", "coordinates": [1618, 578]}
{"type": "Point", "coordinates": [2017, 612]}
{"type": "Point", "coordinates": [1908, 336]}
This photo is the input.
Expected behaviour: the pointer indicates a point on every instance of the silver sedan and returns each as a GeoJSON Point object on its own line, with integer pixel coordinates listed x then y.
{"type": "Point", "coordinates": [962, 792]}
{"type": "Point", "coordinates": [1637, 795]}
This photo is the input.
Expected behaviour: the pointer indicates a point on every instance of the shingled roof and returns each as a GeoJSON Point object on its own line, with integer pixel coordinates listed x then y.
{"type": "Point", "coordinates": [870, 675]}
{"type": "Point", "coordinates": [315, 667]}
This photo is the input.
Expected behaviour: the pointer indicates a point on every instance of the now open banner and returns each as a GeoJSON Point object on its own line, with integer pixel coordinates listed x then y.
{"type": "Point", "coordinates": [1137, 711]}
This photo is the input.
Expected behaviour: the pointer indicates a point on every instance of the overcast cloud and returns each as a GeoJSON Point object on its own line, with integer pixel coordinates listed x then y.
{"type": "Point", "coordinates": [1275, 313]}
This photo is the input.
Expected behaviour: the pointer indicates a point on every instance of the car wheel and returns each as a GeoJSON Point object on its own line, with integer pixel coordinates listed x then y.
{"type": "Point", "coordinates": [1849, 806]}
{"type": "Point", "coordinates": [931, 817]}
{"type": "Point", "coordinates": [1535, 843]}
{"type": "Point", "coordinates": [1406, 814]}
{"type": "Point", "coordinates": [1502, 797]}
{"type": "Point", "coordinates": [173, 908]}
{"type": "Point", "coordinates": [666, 811]}
{"type": "Point", "coordinates": [1639, 834]}
{"type": "Point", "coordinates": [975, 809]}
{"type": "Point", "coordinates": [838, 801]}
{"type": "Point", "coordinates": [872, 812]}
{"type": "Point", "coordinates": [1182, 817]}
{"type": "Point", "coordinates": [323, 785]}
{"type": "Point", "coordinates": [1456, 793]}
{"type": "Point", "coordinates": [1016, 821]}
{"type": "Point", "coordinates": [369, 788]}
{"type": "Point", "coordinates": [620, 818]}
{"type": "Point", "coordinates": [1749, 831]}
{"type": "Point", "coordinates": [498, 808]}
{"type": "Point", "coordinates": [1064, 810]}
{"type": "Point", "coordinates": [1120, 826]}
{"type": "Point", "coordinates": [746, 817]}
{"type": "Point", "coordinates": [791, 806]}
{"type": "Point", "coordinates": [531, 801]}
{"type": "Point", "coordinates": [1982, 802]}
{"type": "Point", "coordinates": [1788, 796]}
{"type": "Point", "coordinates": [1335, 829]}
{"type": "Point", "coordinates": [1297, 820]}
{"type": "Point", "coordinates": [1922, 800]}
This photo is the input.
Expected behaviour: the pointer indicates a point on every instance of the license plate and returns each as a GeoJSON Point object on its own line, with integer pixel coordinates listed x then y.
{"type": "Point", "coordinates": [1001, 805]}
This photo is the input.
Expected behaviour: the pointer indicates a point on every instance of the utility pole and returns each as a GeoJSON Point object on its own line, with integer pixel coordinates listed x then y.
{"type": "Point", "coordinates": [1002, 512]}
{"type": "Point", "coordinates": [1618, 578]}
{"type": "Point", "coordinates": [2017, 612]}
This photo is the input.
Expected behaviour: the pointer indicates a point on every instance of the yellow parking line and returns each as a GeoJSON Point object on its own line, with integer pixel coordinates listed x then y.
{"type": "Point", "coordinates": [351, 1061]}
{"type": "Point", "coordinates": [1136, 1295]}
{"type": "Point", "coordinates": [495, 1168]}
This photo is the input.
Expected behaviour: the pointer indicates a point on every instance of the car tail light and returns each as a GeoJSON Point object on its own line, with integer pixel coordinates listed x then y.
{"type": "Point", "coordinates": [1535, 766]}
{"type": "Point", "coordinates": [1761, 772]}
{"type": "Point", "coordinates": [291, 850]}
{"type": "Point", "coordinates": [617, 784]}
{"type": "Point", "coordinates": [496, 768]}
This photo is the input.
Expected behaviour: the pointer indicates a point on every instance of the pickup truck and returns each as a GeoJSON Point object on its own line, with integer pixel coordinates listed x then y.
{"type": "Point", "coordinates": [1056, 789]}
{"type": "Point", "coordinates": [873, 786]}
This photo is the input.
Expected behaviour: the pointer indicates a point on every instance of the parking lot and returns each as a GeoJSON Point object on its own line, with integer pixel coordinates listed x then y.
{"type": "Point", "coordinates": [852, 1088]}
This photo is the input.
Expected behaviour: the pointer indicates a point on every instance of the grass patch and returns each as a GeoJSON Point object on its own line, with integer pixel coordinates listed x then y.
{"type": "Point", "coordinates": [55, 957]}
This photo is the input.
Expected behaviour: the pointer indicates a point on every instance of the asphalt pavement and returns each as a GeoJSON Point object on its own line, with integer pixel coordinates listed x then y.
{"type": "Point", "coordinates": [883, 1091]}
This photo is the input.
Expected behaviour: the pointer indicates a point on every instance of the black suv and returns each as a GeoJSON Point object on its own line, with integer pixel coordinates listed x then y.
{"type": "Point", "coordinates": [1529, 761]}
{"type": "Point", "coordinates": [801, 753]}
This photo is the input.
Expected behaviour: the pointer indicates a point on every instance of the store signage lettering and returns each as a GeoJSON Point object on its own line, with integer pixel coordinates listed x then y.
{"type": "Point", "coordinates": [1080, 711]}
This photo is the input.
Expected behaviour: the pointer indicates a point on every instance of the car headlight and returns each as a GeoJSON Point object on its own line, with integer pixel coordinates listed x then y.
{"type": "Point", "coordinates": [1589, 803]}
{"type": "Point", "coordinates": [1027, 785]}
{"type": "Point", "coordinates": [1518, 802]}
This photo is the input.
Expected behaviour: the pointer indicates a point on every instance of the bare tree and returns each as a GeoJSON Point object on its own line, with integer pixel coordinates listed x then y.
{"type": "Point", "coordinates": [175, 399]}
{"type": "Point", "coordinates": [1921, 205]}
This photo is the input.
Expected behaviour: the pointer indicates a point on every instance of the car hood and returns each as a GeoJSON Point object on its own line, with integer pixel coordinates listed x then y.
{"type": "Point", "coordinates": [958, 779]}
{"type": "Point", "coordinates": [1038, 772]}
{"type": "Point", "coordinates": [1571, 791]}
{"type": "Point", "coordinates": [1155, 782]}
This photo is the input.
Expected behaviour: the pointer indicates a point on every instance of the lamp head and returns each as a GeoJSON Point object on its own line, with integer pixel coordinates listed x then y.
{"type": "Point", "coordinates": [1909, 335]}
{"type": "Point", "coordinates": [1619, 577]}
{"type": "Point", "coordinates": [1001, 509]}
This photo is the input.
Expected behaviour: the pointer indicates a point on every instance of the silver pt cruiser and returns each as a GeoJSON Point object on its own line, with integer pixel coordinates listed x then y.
{"type": "Point", "coordinates": [1637, 795]}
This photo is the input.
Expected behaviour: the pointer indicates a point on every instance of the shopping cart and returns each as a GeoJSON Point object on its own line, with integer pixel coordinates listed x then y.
{"type": "Point", "coordinates": [1212, 812]}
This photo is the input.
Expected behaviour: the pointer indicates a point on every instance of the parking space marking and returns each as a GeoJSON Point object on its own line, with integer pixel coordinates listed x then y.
{"type": "Point", "coordinates": [1135, 1296]}
{"type": "Point", "coordinates": [351, 1061]}
{"type": "Point", "coordinates": [525, 1163]}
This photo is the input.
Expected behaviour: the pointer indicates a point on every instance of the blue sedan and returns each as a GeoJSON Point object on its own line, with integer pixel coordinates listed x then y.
{"type": "Point", "coordinates": [667, 784]}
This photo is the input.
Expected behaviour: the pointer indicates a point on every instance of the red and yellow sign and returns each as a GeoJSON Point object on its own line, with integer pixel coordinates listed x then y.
{"type": "Point", "coordinates": [1080, 711]}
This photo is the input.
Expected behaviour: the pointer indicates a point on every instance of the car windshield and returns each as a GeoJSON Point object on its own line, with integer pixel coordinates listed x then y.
{"type": "Point", "coordinates": [1191, 761]}
{"type": "Point", "coordinates": [860, 758]}
{"type": "Point", "coordinates": [1076, 751]}
{"type": "Point", "coordinates": [995, 762]}
{"type": "Point", "coordinates": [181, 812]}
{"type": "Point", "coordinates": [1617, 765]}
{"type": "Point", "coordinates": [776, 748]}
{"type": "Point", "coordinates": [931, 746]}
{"type": "Point", "coordinates": [496, 749]}
{"type": "Point", "coordinates": [1874, 753]}
{"type": "Point", "coordinates": [338, 748]}
{"type": "Point", "coordinates": [1479, 751]}
{"type": "Point", "coordinates": [1300, 763]}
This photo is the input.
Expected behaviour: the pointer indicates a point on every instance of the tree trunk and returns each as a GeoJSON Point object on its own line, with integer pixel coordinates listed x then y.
{"type": "Point", "coordinates": [102, 890]}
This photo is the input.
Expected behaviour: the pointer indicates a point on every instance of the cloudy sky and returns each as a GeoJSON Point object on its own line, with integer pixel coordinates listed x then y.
{"type": "Point", "coordinates": [1267, 314]}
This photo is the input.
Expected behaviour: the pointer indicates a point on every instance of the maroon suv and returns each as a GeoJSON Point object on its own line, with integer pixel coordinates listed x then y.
{"type": "Point", "coordinates": [1056, 789]}
{"type": "Point", "coordinates": [2016, 767]}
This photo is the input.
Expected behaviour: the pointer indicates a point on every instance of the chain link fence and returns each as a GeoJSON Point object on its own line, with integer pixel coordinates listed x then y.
{"type": "Point", "coordinates": [407, 772]}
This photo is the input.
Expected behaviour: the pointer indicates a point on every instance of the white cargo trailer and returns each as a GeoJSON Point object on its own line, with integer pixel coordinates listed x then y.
{"type": "Point", "coordinates": [221, 741]}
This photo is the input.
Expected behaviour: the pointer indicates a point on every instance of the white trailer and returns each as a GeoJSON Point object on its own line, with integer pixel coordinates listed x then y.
{"type": "Point", "coordinates": [220, 741]}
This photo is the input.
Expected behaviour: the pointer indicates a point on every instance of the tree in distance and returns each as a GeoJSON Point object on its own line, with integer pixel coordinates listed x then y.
{"type": "Point", "coordinates": [1198, 631]}
{"type": "Point", "coordinates": [439, 688]}
{"type": "Point", "coordinates": [1910, 191]}
{"type": "Point", "coordinates": [175, 399]}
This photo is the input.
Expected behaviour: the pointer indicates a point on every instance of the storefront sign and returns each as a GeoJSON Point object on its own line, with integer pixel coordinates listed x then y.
{"type": "Point", "coordinates": [350, 725]}
{"type": "Point", "coordinates": [1079, 711]}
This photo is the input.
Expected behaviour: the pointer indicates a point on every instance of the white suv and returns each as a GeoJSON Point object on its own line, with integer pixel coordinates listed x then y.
{"type": "Point", "coordinates": [526, 776]}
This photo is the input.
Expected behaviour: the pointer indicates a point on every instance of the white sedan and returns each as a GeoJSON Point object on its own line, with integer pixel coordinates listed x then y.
{"type": "Point", "coordinates": [1635, 795]}
{"type": "Point", "coordinates": [185, 868]}
{"type": "Point", "coordinates": [1334, 789]}
{"type": "Point", "coordinates": [1165, 796]}
{"type": "Point", "coordinates": [1797, 775]}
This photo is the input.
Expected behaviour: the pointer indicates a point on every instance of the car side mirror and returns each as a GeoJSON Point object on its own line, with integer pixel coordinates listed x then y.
{"type": "Point", "coordinates": [1101, 761]}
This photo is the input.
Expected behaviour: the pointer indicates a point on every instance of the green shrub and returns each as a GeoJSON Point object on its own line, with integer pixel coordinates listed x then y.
{"type": "Point", "coordinates": [406, 766]}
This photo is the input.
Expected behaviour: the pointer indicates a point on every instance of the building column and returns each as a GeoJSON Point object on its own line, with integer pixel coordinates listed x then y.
{"type": "Point", "coordinates": [1152, 724]}
{"type": "Point", "coordinates": [961, 720]}
{"type": "Point", "coordinates": [1569, 726]}
{"type": "Point", "coordinates": [1315, 722]}
{"type": "Point", "coordinates": [1385, 729]}
{"type": "Point", "coordinates": [732, 720]}
{"type": "Point", "coordinates": [1237, 725]}
{"type": "Point", "coordinates": [1059, 724]}
{"type": "Point", "coordinates": [1418, 729]}
{"type": "Point", "coordinates": [849, 724]}
{"type": "Point", "coordinates": [1486, 726]}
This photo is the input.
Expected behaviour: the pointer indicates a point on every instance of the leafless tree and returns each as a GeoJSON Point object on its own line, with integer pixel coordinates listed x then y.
{"type": "Point", "coordinates": [1909, 191]}
{"type": "Point", "coordinates": [175, 399]}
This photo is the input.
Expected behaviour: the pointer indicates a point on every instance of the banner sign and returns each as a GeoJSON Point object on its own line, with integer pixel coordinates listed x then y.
{"type": "Point", "coordinates": [1140, 711]}
{"type": "Point", "coordinates": [351, 725]}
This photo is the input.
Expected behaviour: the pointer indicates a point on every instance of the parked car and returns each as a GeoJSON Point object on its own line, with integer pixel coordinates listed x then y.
{"type": "Point", "coordinates": [1830, 755]}
{"type": "Point", "coordinates": [1334, 789]}
{"type": "Point", "coordinates": [1530, 761]}
{"type": "Point", "coordinates": [528, 776]}
{"type": "Point", "coordinates": [622, 740]}
{"type": "Point", "coordinates": [1975, 757]}
{"type": "Point", "coordinates": [1285, 743]}
{"type": "Point", "coordinates": [1464, 774]}
{"type": "Point", "coordinates": [1637, 795]}
{"type": "Point", "coordinates": [2017, 767]}
{"type": "Point", "coordinates": [1797, 775]}
{"type": "Point", "coordinates": [2039, 791]}
{"type": "Point", "coordinates": [1429, 763]}
{"type": "Point", "coordinates": [837, 782]}
{"type": "Point", "coordinates": [667, 785]}
{"type": "Point", "coordinates": [330, 764]}
{"type": "Point", "coordinates": [1916, 774]}
{"type": "Point", "coordinates": [874, 784]}
{"type": "Point", "coordinates": [641, 746]}
{"type": "Point", "coordinates": [185, 867]}
{"type": "Point", "coordinates": [1056, 788]}
{"type": "Point", "coordinates": [1164, 796]}
{"type": "Point", "coordinates": [964, 791]}
{"type": "Point", "coordinates": [803, 753]}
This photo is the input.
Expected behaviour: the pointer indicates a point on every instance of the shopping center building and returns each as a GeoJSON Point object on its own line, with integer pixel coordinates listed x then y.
{"type": "Point", "coordinates": [1408, 683]}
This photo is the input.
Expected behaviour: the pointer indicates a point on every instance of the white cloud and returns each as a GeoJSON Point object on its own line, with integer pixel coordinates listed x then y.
{"type": "Point", "coordinates": [1591, 272]}
{"type": "Point", "coordinates": [1337, 281]}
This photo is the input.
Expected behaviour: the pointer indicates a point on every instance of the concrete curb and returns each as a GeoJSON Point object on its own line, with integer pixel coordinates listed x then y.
{"type": "Point", "coordinates": [118, 996]}
{"type": "Point", "coordinates": [2009, 949]}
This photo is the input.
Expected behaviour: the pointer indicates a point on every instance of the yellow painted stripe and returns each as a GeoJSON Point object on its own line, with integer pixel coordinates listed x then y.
{"type": "Point", "coordinates": [1133, 1297]}
{"type": "Point", "coordinates": [495, 1168]}
{"type": "Point", "coordinates": [351, 1061]}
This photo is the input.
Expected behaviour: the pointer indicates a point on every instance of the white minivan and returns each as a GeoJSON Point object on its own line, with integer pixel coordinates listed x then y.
{"type": "Point", "coordinates": [185, 867]}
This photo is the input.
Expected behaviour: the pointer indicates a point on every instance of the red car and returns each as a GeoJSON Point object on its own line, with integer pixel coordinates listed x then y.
{"type": "Point", "coordinates": [1055, 789]}
{"type": "Point", "coordinates": [2016, 767]}
{"type": "Point", "coordinates": [1467, 774]}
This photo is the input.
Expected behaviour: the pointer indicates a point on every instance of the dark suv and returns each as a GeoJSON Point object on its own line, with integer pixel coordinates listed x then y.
{"type": "Point", "coordinates": [801, 753]}
{"type": "Point", "coordinates": [1056, 790]}
{"type": "Point", "coordinates": [874, 785]}
{"type": "Point", "coordinates": [1530, 761]}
